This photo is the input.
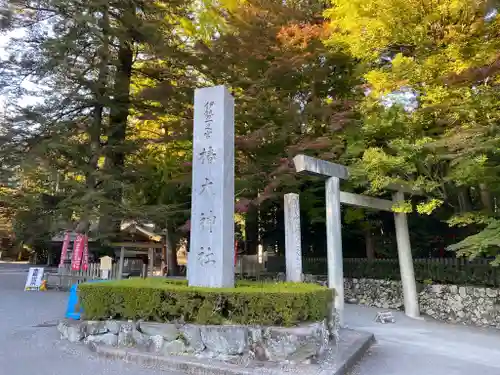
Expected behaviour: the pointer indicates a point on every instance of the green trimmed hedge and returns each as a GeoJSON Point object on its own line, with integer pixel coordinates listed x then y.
{"type": "Point", "coordinates": [161, 300]}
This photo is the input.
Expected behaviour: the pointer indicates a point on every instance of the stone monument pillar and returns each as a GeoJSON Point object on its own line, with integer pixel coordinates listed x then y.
{"type": "Point", "coordinates": [211, 255]}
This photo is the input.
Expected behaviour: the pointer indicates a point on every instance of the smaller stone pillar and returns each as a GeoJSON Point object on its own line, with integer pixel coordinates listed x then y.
{"type": "Point", "coordinates": [293, 238]}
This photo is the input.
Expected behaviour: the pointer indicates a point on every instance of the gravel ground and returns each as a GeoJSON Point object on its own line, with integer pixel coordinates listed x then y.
{"type": "Point", "coordinates": [413, 347]}
{"type": "Point", "coordinates": [27, 349]}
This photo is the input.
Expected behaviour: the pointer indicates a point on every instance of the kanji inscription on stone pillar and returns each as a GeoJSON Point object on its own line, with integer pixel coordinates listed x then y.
{"type": "Point", "coordinates": [211, 255]}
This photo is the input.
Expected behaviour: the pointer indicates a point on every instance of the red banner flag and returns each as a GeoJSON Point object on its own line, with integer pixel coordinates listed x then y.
{"type": "Point", "coordinates": [76, 259]}
{"type": "Point", "coordinates": [64, 250]}
{"type": "Point", "coordinates": [85, 259]}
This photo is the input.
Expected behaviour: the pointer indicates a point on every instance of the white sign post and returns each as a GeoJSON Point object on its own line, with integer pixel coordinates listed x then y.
{"type": "Point", "coordinates": [106, 263]}
{"type": "Point", "coordinates": [34, 280]}
{"type": "Point", "coordinates": [211, 256]}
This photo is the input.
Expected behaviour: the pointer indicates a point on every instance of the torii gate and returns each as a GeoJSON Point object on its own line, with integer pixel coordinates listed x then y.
{"type": "Point", "coordinates": [334, 197]}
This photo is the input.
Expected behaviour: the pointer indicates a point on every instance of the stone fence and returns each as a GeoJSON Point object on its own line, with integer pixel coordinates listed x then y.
{"type": "Point", "coordinates": [451, 303]}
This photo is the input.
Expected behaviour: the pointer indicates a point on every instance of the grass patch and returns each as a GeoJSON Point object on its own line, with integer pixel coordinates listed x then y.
{"type": "Point", "coordinates": [161, 300]}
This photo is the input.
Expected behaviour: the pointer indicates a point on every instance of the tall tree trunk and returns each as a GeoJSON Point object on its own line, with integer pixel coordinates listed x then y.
{"type": "Point", "coordinates": [464, 201]}
{"type": "Point", "coordinates": [95, 128]}
{"type": "Point", "coordinates": [486, 198]}
{"type": "Point", "coordinates": [171, 253]}
{"type": "Point", "coordinates": [252, 230]}
{"type": "Point", "coordinates": [115, 153]}
{"type": "Point", "coordinates": [369, 243]}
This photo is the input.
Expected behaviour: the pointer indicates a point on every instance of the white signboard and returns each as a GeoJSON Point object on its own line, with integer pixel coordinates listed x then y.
{"type": "Point", "coordinates": [106, 263]}
{"type": "Point", "coordinates": [105, 266]}
{"type": "Point", "coordinates": [34, 280]}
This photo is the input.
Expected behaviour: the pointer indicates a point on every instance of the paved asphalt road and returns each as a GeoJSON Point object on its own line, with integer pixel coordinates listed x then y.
{"type": "Point", "coordinates": [408, 347]}
{"type": "Point", "coordinates": [413, 347]}
{"type": "Point", "coordinates": [27, 349]}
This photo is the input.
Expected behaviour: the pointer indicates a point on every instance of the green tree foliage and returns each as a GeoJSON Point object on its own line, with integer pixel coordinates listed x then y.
{"type": "Point", "coordinates": [430, 117]}
{"type": "Point", "coordinates": [83, 58]}
{"type": "Point", "coordinates": [401, 91]}
{"type": "Point", "coordinates": [291, 96]}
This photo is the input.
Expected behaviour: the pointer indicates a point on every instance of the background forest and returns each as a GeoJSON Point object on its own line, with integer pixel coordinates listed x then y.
{"type": "Point", "coordinates": [97, 115]}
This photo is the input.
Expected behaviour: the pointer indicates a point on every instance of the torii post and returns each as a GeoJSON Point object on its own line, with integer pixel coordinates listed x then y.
{"type": "Point", "coordinates": [334, 197]}
{"type": "Point", "coordinates": [405, 258]}
{"type": "Point", "coordinates": [333, 172]}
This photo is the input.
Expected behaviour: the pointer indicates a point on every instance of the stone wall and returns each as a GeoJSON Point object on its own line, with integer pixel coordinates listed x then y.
{"type": "Point", "coordinates": [451, 303]}
{"type": "Point", "coordinates": [234, 343]}
{"type": "Point", "coordinates": [376, 293]}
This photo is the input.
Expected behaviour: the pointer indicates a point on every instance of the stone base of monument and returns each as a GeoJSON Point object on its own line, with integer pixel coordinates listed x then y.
{"type": "Point", "coordinates": [225, 349]}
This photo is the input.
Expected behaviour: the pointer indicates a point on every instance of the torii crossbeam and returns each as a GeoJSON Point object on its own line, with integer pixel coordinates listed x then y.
{"type": "Point", "coordinates": [334, 197]}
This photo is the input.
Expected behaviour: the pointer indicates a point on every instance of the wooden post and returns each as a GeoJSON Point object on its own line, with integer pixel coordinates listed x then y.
{"type": "Point", "coordinates": [120, 264]}
{"type": "Point", "coordinates": [150, 262]}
